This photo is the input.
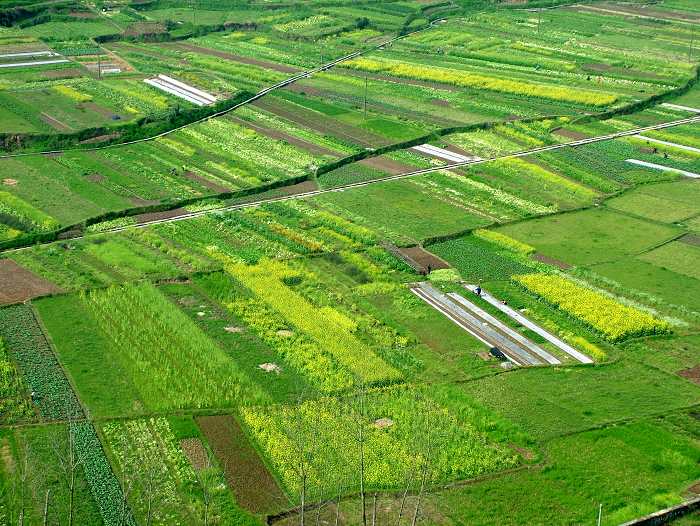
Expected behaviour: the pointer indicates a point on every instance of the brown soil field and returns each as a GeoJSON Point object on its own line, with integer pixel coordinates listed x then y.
{"type": "Point", "coordinates": [691, 239]}
{"type": "Point", "coordinates": [424, 258]}
{"type": "Point", "coordinates": [18, 284]}
{"type": "Point", "coordinates": [96, 108]}
{"type": "Point", "coordinates": [274, 66]}
{"type": "Point", "coordinates": [252, 484]}
{"type": "Point", "coordinates": [155, 216]}
{"type": "Point", "coordinates": [144, 28]}
{"type": "Point", "coordinates": [550, 261]}
{"type": "Point", "coordinates": [387, 165]}
{"type": "Point", "coordinates": [571, 134]}
{"type": "Point", "coordinates": [62, 73]}
{"type": "Point", "coordinates": [692, 374]}
{"type": "Point", "coordinates": [195, 453]}
{"type": "Point", "coordinates": [100, 138]}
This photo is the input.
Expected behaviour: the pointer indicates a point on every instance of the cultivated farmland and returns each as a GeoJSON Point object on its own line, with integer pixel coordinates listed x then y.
{"type": "Point", "coordinates": [387, 262]}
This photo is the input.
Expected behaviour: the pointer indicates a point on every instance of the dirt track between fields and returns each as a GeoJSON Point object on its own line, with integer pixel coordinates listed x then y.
{"type": "Point", "coordinates": [274, 66]}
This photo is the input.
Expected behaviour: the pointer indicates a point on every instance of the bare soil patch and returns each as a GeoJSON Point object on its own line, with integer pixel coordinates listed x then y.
{"type": "Point", "coordinates": [550, 261]}
{"type": "Point", "coordinates": [195, 453]}
{"type": "Point", "coordinates": [54, 123]}
{"type": "Point", "coordinates": [18, 284]}
{"type": "Point", "coordinates": [100, 138]}
{"type": "Point", "coordinates": [692, 374]}
{"type": "Point", "coordinates": [95, 178]}
{"type": "Point", "coordinates": [252, 484]}
{"type": "Point", "coordinates": [385, 164]}
{"type": "Point", "coordinates": [145, 28]}
{"type": "Point", "coordinates": [62, 73]}
{"type": "Point", "coordinates": [691, 239]}
{"type": "Point", "coordinates": [96, 108]}
{"type": "Point", "coordinates": [524, 452]}
{"type": "Point", "coordinates": [424, 258]}
{"type": "Point", "coordinates": [155, 216]}
{"type": "Point", "coordinates": [571, 134]}
{"type": "Point", "coordinates": [274, 66]}
{"type": "Point", "coordinates": [10, 182]}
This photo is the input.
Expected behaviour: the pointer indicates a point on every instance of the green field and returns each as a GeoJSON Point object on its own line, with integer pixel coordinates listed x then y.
{"type": "Point", "coordinates": [223, 308]}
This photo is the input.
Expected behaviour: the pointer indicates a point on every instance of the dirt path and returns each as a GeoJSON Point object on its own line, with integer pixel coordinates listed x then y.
{"type": "Point", "coordinates": [54, 123]}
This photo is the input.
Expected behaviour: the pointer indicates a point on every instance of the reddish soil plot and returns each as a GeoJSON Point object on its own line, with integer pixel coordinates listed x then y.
{"type": "Point", "coordinates": [252, 484]}
{"type": "Point", "coordinates": [282, 136]}
{"type": "Point", "coordinates": [17, 284]}
{"type": "Point", "coordinates": [388, 165]}
{"type": "Point", "coordinates": [692, 374]}
{"type": "Point", "coordinates": [195, 453]}
{"type": "Point", "coordinates": [274, 66]}
{"type": "Point", "coordinates": [690, 239]}
{"type": "Point", "coordinates": [62, 73]}
{"type": "Point", "coordinates": [144, 28]}
{"type": "Point", "coordinates": [424, 258]}
{"type": "Point", "coordinates": [551, 261]}
{"type": "Point", "coordinates": [96, 108]}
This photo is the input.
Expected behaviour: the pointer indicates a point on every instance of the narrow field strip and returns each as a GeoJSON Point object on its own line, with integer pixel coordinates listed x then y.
{"type": "Point", "coordinates": [491, 335]}
{"type": "Point", "coordinates": [668, 143]}
{"type": "Point", "coordinates": [663, 168]}
{"type": "Point", "coordinates": [36, 63]}
{"type": "Point", "coordinates": [680, 107]}
{"type": "Point", "coordinates": [525, 322]}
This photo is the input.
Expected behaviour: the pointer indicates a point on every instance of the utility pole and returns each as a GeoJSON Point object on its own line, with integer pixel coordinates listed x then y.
{"type": "Point", "coordinates": [600, 513]}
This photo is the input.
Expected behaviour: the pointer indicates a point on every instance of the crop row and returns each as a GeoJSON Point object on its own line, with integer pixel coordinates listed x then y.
{"type": "Point", "coordinates": [40, 369]}
{"type": "Point", "coordinates": [614, 320]}
{"type": "Point", "coordinates": [404, 436]}
{"type": "Point", "coordinates": [170, 360]}
{"type": "Point", "coordinates": [267, 281]}
{"type": "Point", "coordinates": [14, 403]}
{"type": "Point", "coordinates": [478, 81]}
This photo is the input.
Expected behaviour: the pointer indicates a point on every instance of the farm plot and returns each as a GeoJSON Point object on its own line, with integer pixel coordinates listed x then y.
{"type": "Point", "coordinates": [512, 346]}
{"type": "Point", "coordinates": [678, 257]}
{"type": "Point", "coordinates": [347, 356]}
{"type": "Point", "coordinates": [32, 466]}
{"type": "Point", "coordinates": [396, 426]}
{"type": "Point", "coordinates": [156, 351]}
{"type": "Point", "coordinates": [247, 476]}
{"type": "Point", "coordinates": [41, 372]}
{"type": "Point", "coordinates": [666, 202]}
{"type": "Point", "coordinates": [614, 320]}
{"type": "Point", "coordinates": [166, 486]}
{"type": "Point", "coordinates": [596, 241]}
{"type": "Point", "coordinates": [18, 284]}
{"type": "Point", "coordinates": [584, 470]}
